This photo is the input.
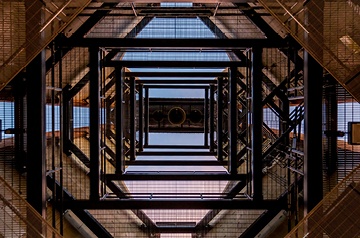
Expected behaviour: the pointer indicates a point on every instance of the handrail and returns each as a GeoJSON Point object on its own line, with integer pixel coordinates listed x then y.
{"type": "Point", "coordinates": [27, 43]}
{"type": "Point", "coordinates": [20, 217]}
{"type": "Point", "coordinates": [341, 204]}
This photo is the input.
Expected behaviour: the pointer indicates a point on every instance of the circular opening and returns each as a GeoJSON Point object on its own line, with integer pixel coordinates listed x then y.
{"type": "Point", "coordinates": [176, 116]}
{"type": "Point", "coordinates": [158, 115]}
{"type": "Point", "coordinates": [195, 116]}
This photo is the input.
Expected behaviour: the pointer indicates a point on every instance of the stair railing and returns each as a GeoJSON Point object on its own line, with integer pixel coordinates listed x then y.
{"type": "Point", "coordinates": [19, 217]}
{"type": "Point", "coordinates": [28, 37]}
{"type": "Point", "coordinates": [327, 30]}
{"type": "Point", "coordinates": [337, 215]}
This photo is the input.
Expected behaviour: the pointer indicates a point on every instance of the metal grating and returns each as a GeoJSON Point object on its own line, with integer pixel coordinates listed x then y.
{"type": "Point", "coordinates": [337, 215]}
{"type": "Point", "coordinates": [225, 20]}
{"type": "Point", "coordinates": [27, 27]}
{"type": "Point", "coordinates": [18, 218]}
{"type": "Point", "coordinates": [329, 31]}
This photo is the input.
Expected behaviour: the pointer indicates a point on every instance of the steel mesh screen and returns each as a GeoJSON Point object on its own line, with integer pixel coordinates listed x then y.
{"type": "Point", "coordinates": [337, 215]}
{"type": "Point", "coordinates": [18, 218]}
{"type": "Point", "coordinates": [27, 27]}
{"type": "Point", "coordinates": [328, 30]}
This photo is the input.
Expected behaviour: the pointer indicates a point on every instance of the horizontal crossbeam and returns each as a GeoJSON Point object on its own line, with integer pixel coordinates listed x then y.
{"type": "Point", "coordinates": [173, 64]}
{"type": "Point", "coordinates": [174, 175]}
{"type": "Point", "coordinates": [126, 204]}
{"type": "Point", "coordinates": [174, 43]}
{"type": "Point", "coordinates": [176, 163]}
{"type": "Point", "coordinates": [175, 81]}
{"type": "Point", "coordinates": [177, 74]}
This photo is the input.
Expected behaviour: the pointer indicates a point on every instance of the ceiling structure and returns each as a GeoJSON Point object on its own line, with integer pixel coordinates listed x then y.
{"type": "Point", "coordinates": [147, 38]}
{"type": "Point", "coordinates": [141, 33]}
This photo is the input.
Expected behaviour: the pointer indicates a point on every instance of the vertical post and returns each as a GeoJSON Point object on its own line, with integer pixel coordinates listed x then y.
{"type": "Point", "coordinates": [132, 119]}
{"type": "Point", "coordinates": [206, 118]}
{"type": "Point", "coordinates": [146, 116]}
{"type": "Point", "coordinates": [119, 121]}
{"type": "Point", "coordinates": [94, 75]}
{"type": "Point", "coordinates": [212, 117]}
{"type": "Point", "coordinates": [66, 116]}
{"type": "Point", "coordinates": [313, 75]}
{"type": "Point", "coordinates": [233, 122]}
{"type": "Point", "coordinates": [256, 120]}
{"type": "Point", "coordinates": [219, 131]}
{"type": "Point", "coordinates": [331, 149]}
{"type": "Point", "coordinates": [141, 118]}
{"type": "Point", "coordinates": [61, 128]}
{"type": "Point", "coordinates": [36, 138]}
{"type": "Point", "coordinates": [19, 113]}
{"type": "Point", "coordinates": [313, 191]}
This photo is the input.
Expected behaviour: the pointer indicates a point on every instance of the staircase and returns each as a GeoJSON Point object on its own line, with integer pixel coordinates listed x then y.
{"type": "Point", "coordinates": [328, 30]}
{"type": "Point", "coordinates": [18, 218]}
{"type": "Point", "coordinates": [23, 35]}
{"type": "Point", "coordinates": [337, 215]}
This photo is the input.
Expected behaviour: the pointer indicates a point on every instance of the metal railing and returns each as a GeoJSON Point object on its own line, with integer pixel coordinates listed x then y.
{"type": "Point", "coordinates": [28, 27]}
{"type": "Point", "coordinates": [18, 218]}
{"type": "Point", "coordinates": [337, 215]}
{"type": "Point", "coordinates": [328, 30]}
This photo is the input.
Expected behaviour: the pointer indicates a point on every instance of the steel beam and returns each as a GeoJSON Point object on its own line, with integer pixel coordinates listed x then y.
{"type": "Point", "coordinates": [147, 114]}
{"type": "Point", "coordinates": [19, 92]}
{"type": "Point", "coordinates": [174, 64]}
{"type": "Point", "coordinates": [176, 162]}
{"type": "Point", "coordinates": [206, 118]}
{"type": "Point", "coordinates": [212, 118]}
{"type": "Point", "coordinates": [174, 43]}
{"type": "Point", "coordinates": [176, 130]}
{"type": "Point", "coordinates": [313, 178]}
{"type": "Point", "coordinates": [177, 75]}
{"type": "Point", "coordinates": [132, 119]}
{"type": "Point", "coordinates": [80, 32]}
{"type": "Point", "coordinates": [36, 138]}
{"type": "Point", "coordinates": [331, 149]}
{"type": "Point", "coordinates": [94, 75]}
{"type": "Point", "coordinates": [119, 122]}
{"type": "Point", "coordinates": [177, 147]}
{"type": "Point", "coordinates": [83, 215]}
{"type": "Point", "coordinates": [158, 1]}
{"type": "Point", "coordinates": [175, 81]}
{"type": "Point", "coordinates": [172, 86]}
{"type": "Point", "coordinates": [194, 204]}
{"type": "Point", "coordinates": [257, 123]}
{"type": "Point", "coordinates": [176, 153]}
{"type": "Point", "coordinates": [219, 122]}
{"type": "Point", "coordinates": [174, 176]}
{"type": "Point", "coordinates": [176, 101]}
{"type": "Point", "coordinates": [233, 122]}
{"type": "Point", "coordinates": [141, 118]}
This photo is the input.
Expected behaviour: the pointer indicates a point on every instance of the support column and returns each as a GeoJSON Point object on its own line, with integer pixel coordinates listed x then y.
{"type": "Point", "coordinates": [331, 117]}
{"type": "Point", "coordinates": [313, 186]}
{"type": "Point", "coordinates": [35, 134]}
{"type": "Point", "coordinates": [119, 121]}
{"type": "Point", "coordinates": [141, 118]}
{"type": "Point", "coordinates": [212, 117]}
{"type": "Point", "coordinates": [67, 120]}
{"type": "Point", "coordinates": [233, 122]}
{"type": "Point", "coordinates": [219, 130]}
{"type": "Point", "coordinates": [206, 118]}
{"type": "Point", "coordinates": [147, 116]}
{"type": "Point", "coordinates": [94, 75]}
{"type": "Point", "coordinates": [36, 138]}
{"type": "Point", "coordinates": [132, 119]}
{"type": "Point", "coordinates": [257, 121]}
{"type": "Point", "coordinates": [19, 92]}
